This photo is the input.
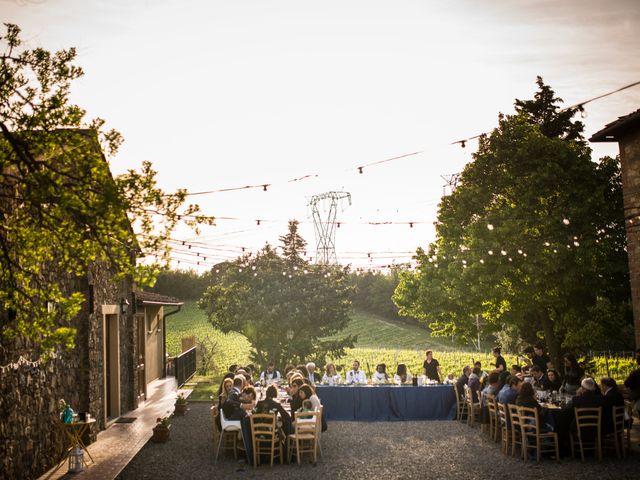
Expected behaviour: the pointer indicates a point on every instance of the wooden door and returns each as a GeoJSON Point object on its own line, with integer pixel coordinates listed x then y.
{"type": "Point", "coordinates": [141, 351]}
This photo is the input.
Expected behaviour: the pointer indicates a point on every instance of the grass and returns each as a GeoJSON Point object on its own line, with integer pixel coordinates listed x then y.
{"type": "Point", "coordinates": [379, 340]}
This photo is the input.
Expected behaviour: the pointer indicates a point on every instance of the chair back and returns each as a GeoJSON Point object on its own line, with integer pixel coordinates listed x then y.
{"type": "Point", "coordinates": [529, 421]}
{"type": "Point", "coordinates": [588, 418]}
{"type": "Point", "coordinates": [618, 419]}
{"type": "Point", "coordinates": [468, 394]}
{"type": "Point", "coordinates": [308, 425]}
{"type": "Point", "coordinates": [503, 413]}
{"type": "Point", "coordinates": [490, 400]}
{"type": "Point", "coordinates": [262, 423]}
{"type": "Point", "coordinates": [513, 417]}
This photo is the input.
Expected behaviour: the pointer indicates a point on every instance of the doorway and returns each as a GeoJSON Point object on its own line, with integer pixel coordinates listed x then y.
{"type": "Point", "coordinates": [111, 352]}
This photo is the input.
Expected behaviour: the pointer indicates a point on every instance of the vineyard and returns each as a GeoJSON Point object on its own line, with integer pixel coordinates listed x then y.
{"type": "Point", "coordinates": [379, 341]}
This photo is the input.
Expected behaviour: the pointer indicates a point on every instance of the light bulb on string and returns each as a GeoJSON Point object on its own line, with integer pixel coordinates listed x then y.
{"type": "Point", "coordinates": [566, 221]}
{"type": "Point", "coordinates": [490, 252]}
{"type": "Point", "coordinates": [489, 226]}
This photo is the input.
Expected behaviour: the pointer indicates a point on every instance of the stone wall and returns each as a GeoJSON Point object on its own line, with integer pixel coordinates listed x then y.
{"type": "Point", "coordinates": [30, 440]}
{"type": "Point", "coordinates": [630, 158]}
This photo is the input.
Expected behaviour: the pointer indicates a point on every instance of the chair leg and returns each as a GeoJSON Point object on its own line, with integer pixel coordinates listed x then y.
{"type": "Point", "coordinates": [220, 440]}
{"type": "Point", "coordinates": [298, 451]}
{"type": "Point", "coordinates": [557, 443]}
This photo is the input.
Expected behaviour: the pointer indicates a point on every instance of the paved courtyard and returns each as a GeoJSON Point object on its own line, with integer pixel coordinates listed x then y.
{"type": "Point", "coordinates": [390, 450]}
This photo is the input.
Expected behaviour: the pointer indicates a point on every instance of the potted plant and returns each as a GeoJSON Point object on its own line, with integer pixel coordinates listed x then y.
{"type": "Point", "coordinates": [161, 430]}
{"type": "Point", "coordinates": [181, 405]}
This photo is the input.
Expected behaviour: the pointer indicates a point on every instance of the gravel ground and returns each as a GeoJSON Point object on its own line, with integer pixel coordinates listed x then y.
{"type": "Point", "coordinates": [358, 450]}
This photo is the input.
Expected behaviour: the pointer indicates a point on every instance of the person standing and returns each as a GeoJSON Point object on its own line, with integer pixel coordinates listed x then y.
{"type": "Point", "coordinates": [633, 384]}
{"type": "Point", "coordinates": [540, 358]}
{"type": "Point", "coordinates": [270, 375]}
{"type": "Point", "coordinates": [356, 375]}
{"type": "Point", "coordinates": [431, 367]}
{"type": "Point", "coordinates": [501, 364]}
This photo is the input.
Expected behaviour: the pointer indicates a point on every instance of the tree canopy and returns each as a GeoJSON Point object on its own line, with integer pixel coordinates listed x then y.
{"type": "Point", "coordinates": [288, 309]}
{"type": "Point", "coordinates": [61, 208]}
{"type": "Point", "coordinates": [532, 240]}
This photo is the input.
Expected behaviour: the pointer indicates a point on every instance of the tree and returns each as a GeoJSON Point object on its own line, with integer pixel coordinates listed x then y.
{"type": "Point", "coordinates": [293, 245]}
{"type": "Point", "coordinates": [533, 237]}
{"type": "Point", "coordinates": [61, 208]}
{"type": "Point", "coordinates": [288, 309]}
{"type": "Point", "coordinates": [183, 284]}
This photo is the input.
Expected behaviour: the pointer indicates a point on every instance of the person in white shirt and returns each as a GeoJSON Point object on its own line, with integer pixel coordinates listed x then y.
{"type": "Point", "coordinates": [402, 374]}
{"type": "Point", "coordinates": [356, 375]}
{"type": "Point", "coordinates": [381, 374]}
{"type": "Point", "coordinates": [270, 375]}
{"type": "Point", "coordinates": [330, 375]}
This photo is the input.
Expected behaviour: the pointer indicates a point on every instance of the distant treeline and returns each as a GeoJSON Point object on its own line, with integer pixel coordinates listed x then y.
{"type": "Point", "coordinates": [183, 284]}
{"type": "Point", "coordinates": [372, 293]}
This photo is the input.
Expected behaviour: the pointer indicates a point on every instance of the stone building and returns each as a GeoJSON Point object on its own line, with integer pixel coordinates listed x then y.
{"type": "Point", "coordinates": [119, 349]}
{"type": "Point", "coordinates": [626, 131]}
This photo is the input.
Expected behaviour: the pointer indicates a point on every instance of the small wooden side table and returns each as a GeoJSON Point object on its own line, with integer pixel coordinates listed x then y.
{"type": "Point", "coordinates": [73, 432]}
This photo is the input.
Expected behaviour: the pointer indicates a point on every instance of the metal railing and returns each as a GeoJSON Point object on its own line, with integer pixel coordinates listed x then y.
{"type": "Point", "coordinates": [184, 366]}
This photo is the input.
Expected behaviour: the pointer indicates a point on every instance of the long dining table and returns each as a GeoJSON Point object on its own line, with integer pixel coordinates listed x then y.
{"type": "Point", "coordinates": [387, 402]}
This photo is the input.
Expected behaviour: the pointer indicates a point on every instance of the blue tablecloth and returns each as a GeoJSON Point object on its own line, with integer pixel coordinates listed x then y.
{"type": "Point", "coordinates": [384, 403]}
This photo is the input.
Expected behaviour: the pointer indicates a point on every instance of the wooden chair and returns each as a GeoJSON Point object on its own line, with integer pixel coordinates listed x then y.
{"type": "Point", "coordinates": [505, 435]}
{"type": "Point", "coordinates": [617, 435]}
{"type": "Point", "coordinates": [473, 408]}
{"type": "Point", "coordinates": [492, 407]}
{"type": "Point", "coordinates": [461, 405]}
{"type": "Point", "coordinates": [588, 420]}
{"type": "Point", "coordinates": [264, 437]}
{"type": "Point", "coordinates": [229, 428]}
{"type": "Point", "coordinates": [516, 430]}
{"type": "Point", "coordinates": [304, 439]}
{"type": "Point", "coordinates": [533, 437]}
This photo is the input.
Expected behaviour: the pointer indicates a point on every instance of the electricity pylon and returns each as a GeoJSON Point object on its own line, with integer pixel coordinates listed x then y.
{"type": "Point", "coordinates": [325, 228]}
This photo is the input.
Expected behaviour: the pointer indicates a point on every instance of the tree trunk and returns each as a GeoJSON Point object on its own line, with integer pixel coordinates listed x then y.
{"type": "Point", "coordinates": [552, 342]}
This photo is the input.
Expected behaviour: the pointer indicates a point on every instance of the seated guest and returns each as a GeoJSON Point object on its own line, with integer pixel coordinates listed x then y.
{"type": "Point", "coordinates": [380, 375]}
{"type": "Point", "coordinates": [573, 374]}
{"type": "Point", "coordinates": [474, 383]}
{"type": "Point", "coordinates": [248, 398]}
{"type": "Point", "coordinates": [296, 385]}
{"type": "Point", "coordinates": [516, 371]}
{"type": "Point", "coordinates": [553, 380]}
{"type": "Point", "coordinates": [330, 374]}
{"type": "Point", "coordinates": [402, 374]}
{"type": "Point", "coordinates": [311, 374]}
{"type": "Point", "coordinates": [539, 378]}
{"type": "Point", "coordinates": [493, 384]}
{"type": "Point", "coordinates": [527, 398]}
{"type": "Point", "coordinates": [449, 379]}
{"type": "Point", "coordinates": [503, 379]}
{"type": "Point", "coordinates": [587, 396]}
{"type": "Point", "coordinates": [306, 392]}
{"type": "Point", "coordinates": [510, 391]}
{"type": "Point", "coordinates": [288, 368]}
{"type": "Point", "coordinates": [271, 405]}
{"type": "Point", "coordinates": [482, 375]}
{"type": "Point", "coordinates": [356, 375]}
{"type": "Point", "coordinates": [223, 392]}
{"type": "Point", "coordinates": [501, 364]}
{"type": "Point", "coordinates": [233, 405]}
{"type": "Point", "coordinates": [611, 397]}
{"type": "Point", "coordinates": [307, 406]}
{"type": "Point", "coordinates": [270, 375]}
{"type": "Point", "coordinates": [463, 380]}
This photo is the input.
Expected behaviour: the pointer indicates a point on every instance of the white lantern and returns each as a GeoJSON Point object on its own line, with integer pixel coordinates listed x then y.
{"type": "Point", "coordinates": [76, 460]}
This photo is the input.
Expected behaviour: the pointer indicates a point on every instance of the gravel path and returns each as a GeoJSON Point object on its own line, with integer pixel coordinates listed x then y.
{"type": "Point", "coordinates": [357, 450]}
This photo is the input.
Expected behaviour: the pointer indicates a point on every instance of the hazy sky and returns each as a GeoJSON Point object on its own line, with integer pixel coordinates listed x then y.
{"type": "Point", "coordinates": [227, 93]}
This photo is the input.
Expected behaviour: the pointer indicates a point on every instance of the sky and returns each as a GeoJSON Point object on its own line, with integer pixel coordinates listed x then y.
{"type": "Point", "coordinates": [221, 94]}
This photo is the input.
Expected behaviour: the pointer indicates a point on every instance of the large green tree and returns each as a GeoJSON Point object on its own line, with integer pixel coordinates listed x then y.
{"type": "Point", "coordinates": [288, 309]}
{"type": "Point", "coordinates": [532, 239]}
{"type": "Point", "coordinates": [60, 207]}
